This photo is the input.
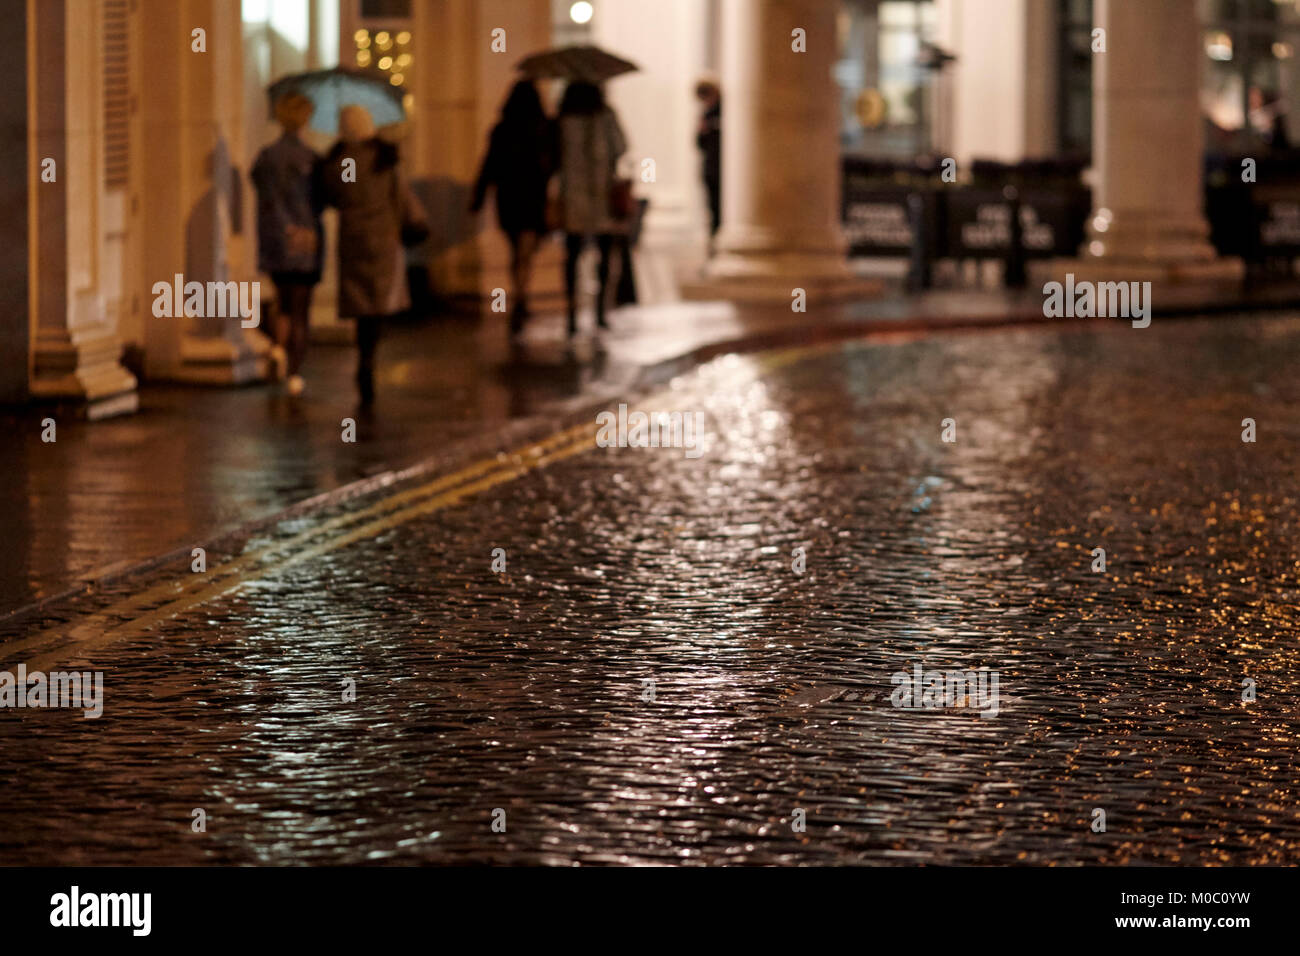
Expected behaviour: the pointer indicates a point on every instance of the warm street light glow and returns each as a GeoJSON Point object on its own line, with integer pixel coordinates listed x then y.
{"type": "Point", "coordinates": [1218, 46]}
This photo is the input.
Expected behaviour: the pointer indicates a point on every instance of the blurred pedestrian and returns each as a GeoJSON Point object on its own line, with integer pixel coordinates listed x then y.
{"type": "Point", "coordinates": [375, 206]}
{"type": "Point", "coordinates": [708, 137]}
{"type": "Point", "coordinates": [519, 162]}
{"type": "Point", "coordinates": [289, 239]}
{"type": "Point", "coordinates": [1267, 117]}
{"type": "Point", "coordinates": [593, 200]}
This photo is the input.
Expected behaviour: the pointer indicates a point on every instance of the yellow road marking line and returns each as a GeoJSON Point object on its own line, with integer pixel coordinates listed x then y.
{"type": "Point", "coordinates": [139, 625]}
{"type": "Point", "coordinates": [180, 595]}
{"type": "Point", "coordinates": [190, 584]}
{"type": "Point", "coordinates": [771, 361]}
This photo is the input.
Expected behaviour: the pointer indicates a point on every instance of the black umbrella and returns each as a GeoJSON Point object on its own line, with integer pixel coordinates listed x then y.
{"type": "Point", "coordinates": [331, 90]}
{"type": "Point", "coordinates": [589, 63]}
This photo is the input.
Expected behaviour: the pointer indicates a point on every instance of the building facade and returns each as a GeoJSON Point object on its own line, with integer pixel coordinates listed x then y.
{"type": "Point", "coordinates": [134, 123]}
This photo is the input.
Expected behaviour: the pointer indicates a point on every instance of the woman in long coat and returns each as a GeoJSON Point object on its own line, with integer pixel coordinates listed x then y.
{"type": "Point", "coordinates": [520, 160]}
{"type": "Point", "coordinates": [591, 141]}
{"type": "Point", "coordinates": [289, 237]}
{"type": "Point", "coordinates": [370, 196]}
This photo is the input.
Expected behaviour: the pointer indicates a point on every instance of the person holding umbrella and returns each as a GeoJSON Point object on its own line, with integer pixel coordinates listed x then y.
{"type": "Point", "coordinates": [519, 163]}
{"type": "Point", "coordinates": [289, 235]}
{"type": "Point", "coordinates": [360, 177]}
{"type": "Point", "coordinates": [593, 200]}
{"type": "Point", "coordinates": [591, 142]}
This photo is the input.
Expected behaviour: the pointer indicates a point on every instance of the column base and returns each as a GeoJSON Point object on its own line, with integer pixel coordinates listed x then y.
{"type": "Point", "coordinates": [772, 279]}
{"type": "Point", "coordinates": [128, 403]}
{"type": "Point", "coordinates": [1219, 271]}
{"type": "Point", "coordinates": [85, 370]}
{"type": "Point", "coordinates": [1147, 245]}
{"type": "Point", "coordinates": [215, 360]}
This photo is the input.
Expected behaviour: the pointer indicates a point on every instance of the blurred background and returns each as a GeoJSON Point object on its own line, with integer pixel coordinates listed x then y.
{"type": "Point", "coordinates": [832, 170]}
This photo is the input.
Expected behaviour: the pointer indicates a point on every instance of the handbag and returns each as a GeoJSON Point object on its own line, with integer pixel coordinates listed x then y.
{"type": "Point", "coordinates": [554, 214]}
{"type": "Point", "coordinates": [415, 224]}
{"type": "Point", "coordinates": [620, 199]}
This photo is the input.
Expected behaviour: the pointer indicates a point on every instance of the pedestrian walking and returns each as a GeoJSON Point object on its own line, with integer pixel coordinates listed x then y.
{"type": "Point", "coordinates": [519, 162]}
{"type": "Point", "coordinates": [289, 238]}
{"type": "Point", "coordinates": [708, 137]}
{"type": "Point", "coordinates": [593, 200]}
{"type": "Point", "coordinates": [377, 214]}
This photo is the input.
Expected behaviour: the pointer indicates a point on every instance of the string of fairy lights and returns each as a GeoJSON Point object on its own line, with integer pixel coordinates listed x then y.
{"type": "Point", "coordinates": [387, 51]}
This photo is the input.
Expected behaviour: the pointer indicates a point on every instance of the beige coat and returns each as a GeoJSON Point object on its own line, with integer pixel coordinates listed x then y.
{"type": "Point", "coordinates": [590, 146]}
{"type": "Point", "coordinates": [372, 262]}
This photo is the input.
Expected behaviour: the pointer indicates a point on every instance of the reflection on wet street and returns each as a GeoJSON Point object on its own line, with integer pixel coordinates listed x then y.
{"type": "Point", "coordinates": [651, 681]}
{"type": "Point", "coordinates": [223, 457]}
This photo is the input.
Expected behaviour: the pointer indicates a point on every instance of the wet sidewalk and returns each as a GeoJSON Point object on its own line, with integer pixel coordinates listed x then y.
{"type": "Point", "coordinates": [195, 462]}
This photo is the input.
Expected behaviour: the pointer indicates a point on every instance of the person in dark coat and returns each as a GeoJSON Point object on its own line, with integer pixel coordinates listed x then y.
{"type": "Point", "coordinates": [371, 197]}
{"type": "Point", "coordinates": [289, 238]}
{"type": "Point", "coordinates": [519, 162]}
{"type": "Point", "coordinates": [708, 138]}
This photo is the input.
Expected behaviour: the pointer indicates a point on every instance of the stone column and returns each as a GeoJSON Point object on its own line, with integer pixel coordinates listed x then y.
{"type": "Point", "coordinates": [1005, 56]}
{"type": "Point", "coordinates": [780, 156]}
{"type": "Point", "coordinates": [76, 345]}
{"type": "Point", "coordinates": [192, 214]}
{"type": "Point", "coordinates": [16, 198]}
{"type": "Point", "coordinates": [659, 113]}
{"type": "Point", "coordinates": [1147, 151]}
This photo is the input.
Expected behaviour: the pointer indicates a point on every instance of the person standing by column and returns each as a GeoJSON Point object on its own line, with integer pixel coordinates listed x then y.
{"type": "Point", "coordinates": [372, 199]}
{"type": "Point", "coordinates": [289, 238]}
{"type": "Point", "coordinates": [708, 137]}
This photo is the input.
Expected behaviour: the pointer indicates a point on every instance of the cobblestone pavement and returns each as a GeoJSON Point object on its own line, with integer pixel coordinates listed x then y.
{"type": "Point", "coordinates": [112, 494]}
{"type": "Point", "coordinates": [650, 680]}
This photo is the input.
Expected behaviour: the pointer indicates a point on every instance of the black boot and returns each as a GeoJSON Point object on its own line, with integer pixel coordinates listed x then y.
{"type": "Point", "coordinates": [367, 342]}
{"type": "Point", "coordinates": [366, 384]}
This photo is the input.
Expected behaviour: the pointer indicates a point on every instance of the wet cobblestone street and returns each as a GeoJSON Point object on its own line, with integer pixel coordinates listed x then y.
{"type": "Point", "coordinates": [650, 680]}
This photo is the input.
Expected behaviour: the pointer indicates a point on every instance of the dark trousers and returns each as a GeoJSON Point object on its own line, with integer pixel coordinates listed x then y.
{"type": "Point", "coordinates": [573, 246]}
{"type": "Point", "coordinates": [714, 189]}
{"type": "Point", "coordinates": [368, 329]}
{"type": "Point", "coordinates": [293, 312]}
